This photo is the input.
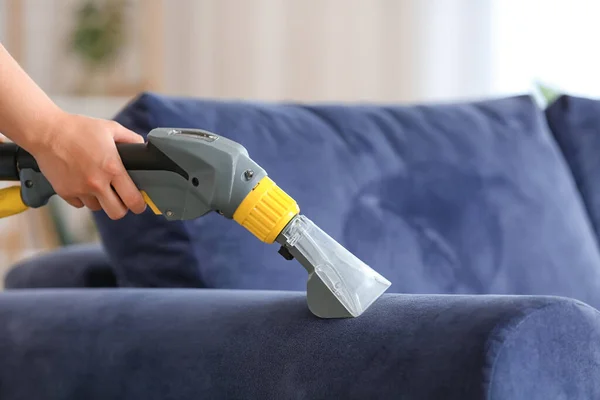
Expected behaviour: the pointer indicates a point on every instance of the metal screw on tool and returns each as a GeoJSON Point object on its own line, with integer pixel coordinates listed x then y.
{"type": "Point", "coordinates": [169, 213]}
{"type": "Point", "coordinates": [28, 183]}
{"type": "Point", "coordinates": [248, 174]}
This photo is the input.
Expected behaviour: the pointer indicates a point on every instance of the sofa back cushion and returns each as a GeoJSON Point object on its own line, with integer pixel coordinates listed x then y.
{"type": "Point", "coordinates": [446, 198]}
{"type": "Point", "coordinates": [575, 123]}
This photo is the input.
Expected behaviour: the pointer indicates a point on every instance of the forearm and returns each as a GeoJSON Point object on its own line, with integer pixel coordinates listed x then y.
{"type": "Point", "coordinates": [26, 112]}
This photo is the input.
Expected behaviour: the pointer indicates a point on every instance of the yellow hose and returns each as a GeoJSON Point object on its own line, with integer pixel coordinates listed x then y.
{"type": "Point", "coordinates": [11, 202]}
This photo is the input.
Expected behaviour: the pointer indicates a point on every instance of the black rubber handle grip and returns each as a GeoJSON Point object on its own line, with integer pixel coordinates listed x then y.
{"type": "Point", "coordinates": [135, 156]}
{"type": "Point", "coordinates": [8, 162]}
{"type": "Point", "coordinates": [146, 157]}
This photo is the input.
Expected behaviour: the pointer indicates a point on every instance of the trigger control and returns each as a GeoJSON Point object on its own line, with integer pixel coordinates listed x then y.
{"type": "Point", "coordinates": [150, 203]}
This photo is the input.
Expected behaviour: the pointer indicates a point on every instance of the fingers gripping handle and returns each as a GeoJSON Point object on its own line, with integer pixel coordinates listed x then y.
{"type": "Point", "coordinates": [35, 191]}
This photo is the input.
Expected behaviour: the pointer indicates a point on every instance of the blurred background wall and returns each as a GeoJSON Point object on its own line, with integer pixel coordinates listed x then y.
{"type": "Point", "coordinates": [92, 56]}
{"type": "Point", "coordinates": [396, 50]}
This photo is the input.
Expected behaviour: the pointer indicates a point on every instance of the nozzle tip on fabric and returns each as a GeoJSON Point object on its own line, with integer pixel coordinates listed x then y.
{"type": "Point", "coordinates": [339, 284]}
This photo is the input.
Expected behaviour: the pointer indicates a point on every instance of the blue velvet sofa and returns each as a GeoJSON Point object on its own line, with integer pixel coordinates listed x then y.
{"type": "Point", "coordinates": [484, 215]}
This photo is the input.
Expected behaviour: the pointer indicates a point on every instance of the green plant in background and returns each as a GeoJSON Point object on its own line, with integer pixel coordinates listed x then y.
{"type": "Point", "coordinates": [98, 37]}
{"type": "Point", "coordinates": [546, 94]}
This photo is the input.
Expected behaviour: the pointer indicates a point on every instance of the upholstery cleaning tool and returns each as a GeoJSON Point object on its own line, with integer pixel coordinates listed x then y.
{"type": "Point", "coordinates": [186, 173]}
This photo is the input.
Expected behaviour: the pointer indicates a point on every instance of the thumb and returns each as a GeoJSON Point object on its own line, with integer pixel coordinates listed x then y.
{"type": "Point", "coordinates": [124, 135]}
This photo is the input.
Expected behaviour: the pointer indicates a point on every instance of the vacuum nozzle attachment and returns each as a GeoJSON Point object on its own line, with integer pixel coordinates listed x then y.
{"type": "Point", "coordinates": [339, 284]}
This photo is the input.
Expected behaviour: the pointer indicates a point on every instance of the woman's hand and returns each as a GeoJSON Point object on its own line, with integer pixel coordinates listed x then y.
{"type": "Point", "coordinates": [79, 157]}
{"type": "Point", "coordinates": [77, 154]}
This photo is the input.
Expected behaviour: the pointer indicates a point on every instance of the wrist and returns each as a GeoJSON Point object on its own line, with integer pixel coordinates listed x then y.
{"type": "Point", "coordinates": [41, 133]}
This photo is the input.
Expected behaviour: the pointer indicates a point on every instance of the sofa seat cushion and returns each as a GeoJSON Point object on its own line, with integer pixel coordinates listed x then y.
{"type": "Point", "coordinates": [443, 198]}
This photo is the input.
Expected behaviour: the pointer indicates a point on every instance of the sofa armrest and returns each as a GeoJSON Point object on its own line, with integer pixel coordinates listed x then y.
{"type": "Point", "coordinates": [188, 344]}
{"type": "Point", "coordinates": [76, 266]}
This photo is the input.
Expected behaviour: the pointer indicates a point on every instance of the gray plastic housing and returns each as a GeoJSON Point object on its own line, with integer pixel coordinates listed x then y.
{"type": "Point", "coordinates": [36, 191]}
{"type": "Point", "coordinates": [215, 174]}
{"type": "Point", "coordinates": [220, 174]}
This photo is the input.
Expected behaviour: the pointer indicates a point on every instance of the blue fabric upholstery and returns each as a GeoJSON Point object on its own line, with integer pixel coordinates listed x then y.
{"type": "Point", "coordinates": [450, 198]}
{"type": "Point", "coordinates": [188, 344]}
{"type": "Point", "coordinates": [575, 122]}
{"type": "Point", "coordinates": [77, 266]}
{"type": "Point", "coordinates": [456, 198]}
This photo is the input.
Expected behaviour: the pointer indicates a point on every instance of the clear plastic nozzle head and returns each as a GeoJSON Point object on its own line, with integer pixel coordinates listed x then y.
{"type": "Point", "coordinates": [339, 284]}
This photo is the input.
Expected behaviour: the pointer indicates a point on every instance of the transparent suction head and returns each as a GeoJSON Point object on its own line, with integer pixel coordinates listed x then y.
{"type": "Point", "coordinates": [339, 284]}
